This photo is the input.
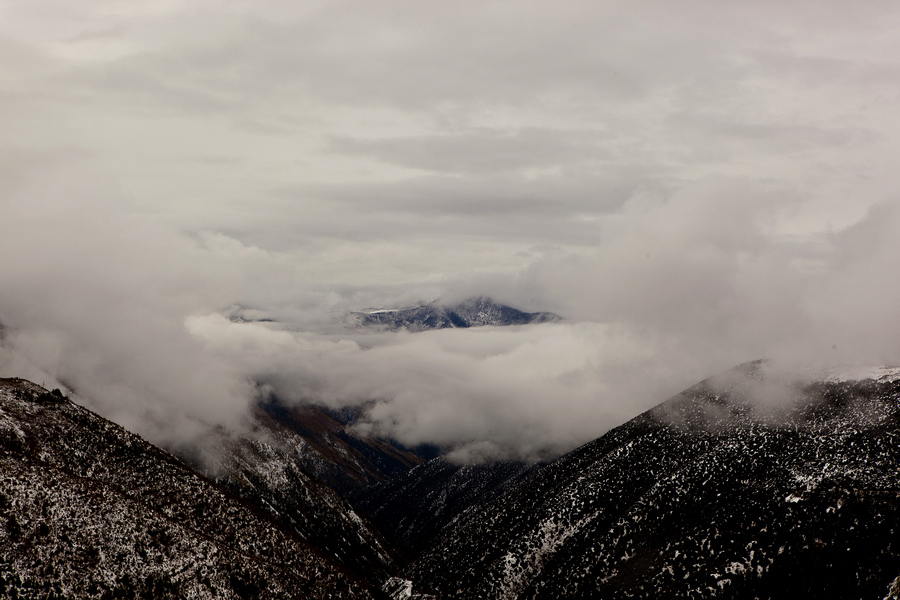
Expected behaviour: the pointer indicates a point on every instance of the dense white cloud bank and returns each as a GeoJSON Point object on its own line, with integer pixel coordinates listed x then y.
{"type": "Point", "coordinates": [691, 186]}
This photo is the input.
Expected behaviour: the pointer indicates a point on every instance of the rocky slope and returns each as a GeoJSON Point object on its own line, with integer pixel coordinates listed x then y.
{"type": "Point", "coordinates": [281, 465]}
{"type": "Point", "coordinates": [330, 449]}
{"type": "Point", "coordinates": [751, 484]}
{"type": "Point", "coordinates": [89, 510]}
{"type": "Point", "coordinates": [747, 485]}
{"type": "Point", "coordinates": [474, 312]}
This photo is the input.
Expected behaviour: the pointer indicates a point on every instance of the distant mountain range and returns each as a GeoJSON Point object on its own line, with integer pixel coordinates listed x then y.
{"type": "Point", "coordinates": [750, 484]}
{"type": "Point", "coordinates": [474, 312]}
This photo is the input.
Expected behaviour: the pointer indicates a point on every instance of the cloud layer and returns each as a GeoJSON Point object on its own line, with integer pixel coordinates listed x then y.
{"type": "Point", "coordinates": [691, 186]}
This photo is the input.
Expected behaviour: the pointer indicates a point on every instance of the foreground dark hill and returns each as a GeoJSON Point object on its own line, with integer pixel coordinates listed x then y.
{"type": "Point", "coordinates": [743, 486]}
{"type": "Point", "coordinates": [89, 510]}
{"type": "Point", "coordinates": [474, 312]}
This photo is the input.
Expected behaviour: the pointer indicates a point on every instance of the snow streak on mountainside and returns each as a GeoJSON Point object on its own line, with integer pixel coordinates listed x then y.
{"type": "Point", "coordinates": [89, 510]}
{"type": "Point", "coordinates": [282, 466]}
{"type": "Point", "coordinates": [743, 486]}
{"type": "Point", "coordinates": [331, 450]}
{"type": "Point", "coordinates": [474, 312]}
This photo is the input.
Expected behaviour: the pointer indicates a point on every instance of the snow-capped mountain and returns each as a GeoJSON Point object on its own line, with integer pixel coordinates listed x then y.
{"type": "Point", "coordinates": [474, 312]}
{"type": "Point", "coordinates": [89, 510]}
{"type": "Point", "coordinates": [747, 485]}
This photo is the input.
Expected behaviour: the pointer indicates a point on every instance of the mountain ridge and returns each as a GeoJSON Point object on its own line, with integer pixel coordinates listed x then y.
{"type": "Point", "coordinates": [90, 510]}
{"type": "Point", "coordinates": [477, 311]}
{"type": "Point", "coordinates": [752, 483]}
{"type": "Point", "coordinates": [705, 495]}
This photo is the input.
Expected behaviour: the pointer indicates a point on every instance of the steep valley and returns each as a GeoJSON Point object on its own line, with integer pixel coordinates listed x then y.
{"type": "Point", "coordinates": [751, 484]}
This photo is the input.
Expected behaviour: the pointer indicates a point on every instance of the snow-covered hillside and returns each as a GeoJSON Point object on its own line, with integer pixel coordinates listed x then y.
{"type": "Point", "coordinates": [747, 485]}
{"type": "Point", "coordinates": [89, 510]}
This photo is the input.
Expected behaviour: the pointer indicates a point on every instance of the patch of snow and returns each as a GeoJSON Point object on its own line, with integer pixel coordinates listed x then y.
{"type": "Point", "coordinates": [8, 423]}
{"type": "Point", "coordinates": [397, 588]}
{"type": "Point", "coordinates": [519, 570]}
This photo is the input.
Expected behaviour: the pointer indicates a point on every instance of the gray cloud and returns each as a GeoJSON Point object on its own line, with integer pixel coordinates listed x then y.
{"type": "Point", "coordinates": [547, 209]}
{"type": "Point", "coordinates": [484, 150]}
{"type": "Point", "coordinates": [678, 290]}
{"type": "Point", "coordinates": [691, 185]}
{"type": "Point", "coordinates": [95, 298]}
{"type": "Point", "coordinates": [458, 387]}
{"type": "Point", "coordinates": [126, 313]}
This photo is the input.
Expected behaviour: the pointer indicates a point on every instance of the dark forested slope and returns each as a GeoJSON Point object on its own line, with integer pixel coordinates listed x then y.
{"type": "Point", "coordinates": [89, 510]}
{"type": "Point", "coordinates": [747, 485]}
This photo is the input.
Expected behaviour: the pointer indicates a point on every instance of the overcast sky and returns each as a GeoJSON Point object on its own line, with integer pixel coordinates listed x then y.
{"type": "Point", "coordinates": [690, 184]}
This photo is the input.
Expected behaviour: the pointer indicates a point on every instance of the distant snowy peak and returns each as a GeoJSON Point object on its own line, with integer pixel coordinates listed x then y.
{"type": "Point", "coordinates": [474, 312]}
